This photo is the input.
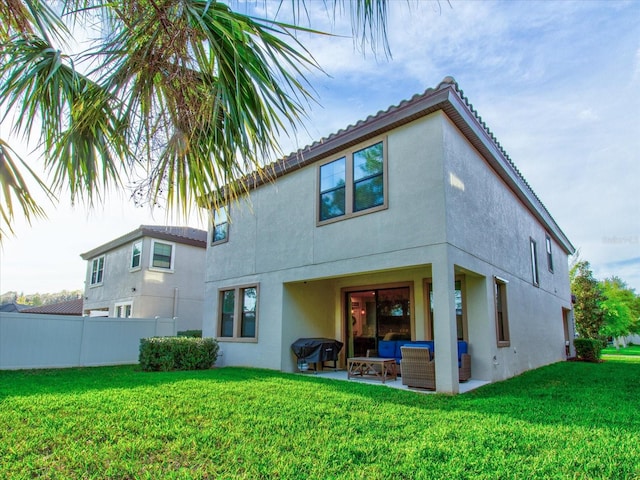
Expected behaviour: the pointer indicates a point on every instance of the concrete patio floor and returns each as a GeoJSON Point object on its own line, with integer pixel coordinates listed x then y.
{"type": "Point", "coordinates": [342, 376]}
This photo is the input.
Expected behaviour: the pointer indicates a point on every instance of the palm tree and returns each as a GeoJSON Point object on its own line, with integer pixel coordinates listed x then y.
{"type": "Point", "coordinates": [190, 92]}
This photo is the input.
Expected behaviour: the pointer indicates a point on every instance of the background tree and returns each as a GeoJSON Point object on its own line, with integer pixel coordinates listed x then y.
{"type": "Point", "coordinates": [621, 308]}
{"type": "Point", "coordinates": [190, 92]}
{"type": "Point", "coordinates": [588, 311]}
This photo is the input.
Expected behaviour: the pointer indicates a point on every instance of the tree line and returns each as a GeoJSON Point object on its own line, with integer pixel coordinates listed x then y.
{"type": "Point", "coordinates": [38, 299]}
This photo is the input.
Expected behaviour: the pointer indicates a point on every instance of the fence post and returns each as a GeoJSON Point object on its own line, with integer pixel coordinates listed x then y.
{"type": "Point", "coordinates": [81, 353]}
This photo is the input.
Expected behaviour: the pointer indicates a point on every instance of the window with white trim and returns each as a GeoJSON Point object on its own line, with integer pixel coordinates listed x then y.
{"type": "Point", "coordinates": [220, 233]}
{"type": "Point", "coordinates": [352, 184]}
{"type": "Point", "coordinates": [123, 310]}
{"type": "Point", "coordinates": [238, 313]}
{"type": "Point", "coordinates": [502, 316]}
{"type": "Point", "coordinates": [97, 270]}
{"type": "Point", "coordinates": [136, 255]}
{"type": "Point", "coordinates": [534, 262]}
{"type": "Point", "coordinates": [547, 240]}
{"type": "Point", "coordinates": [162, 255]}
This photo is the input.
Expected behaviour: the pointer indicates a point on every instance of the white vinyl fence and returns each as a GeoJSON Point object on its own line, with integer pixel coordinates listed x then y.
{"type": "Point", "coordinates": [52, 341]}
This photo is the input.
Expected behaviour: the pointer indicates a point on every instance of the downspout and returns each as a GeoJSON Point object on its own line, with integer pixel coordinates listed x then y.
{"type": "Point", "coordinates": [176, 290]}
{"type": "Point", "coordinates": [175, 302]}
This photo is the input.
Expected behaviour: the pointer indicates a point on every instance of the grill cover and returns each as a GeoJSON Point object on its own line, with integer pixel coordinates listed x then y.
{"type": "Point", "coordinates": [315, 350]}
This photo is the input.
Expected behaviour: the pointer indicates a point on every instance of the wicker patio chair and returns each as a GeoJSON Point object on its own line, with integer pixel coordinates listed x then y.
{"type": "Point", "coordinates": [464, 372]}
{"type": "Point", "coordinates": [418, 369]}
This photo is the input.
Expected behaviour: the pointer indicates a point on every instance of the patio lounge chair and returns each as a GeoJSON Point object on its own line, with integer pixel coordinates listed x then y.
{"type": "Point", "coordinates": [418, 368]}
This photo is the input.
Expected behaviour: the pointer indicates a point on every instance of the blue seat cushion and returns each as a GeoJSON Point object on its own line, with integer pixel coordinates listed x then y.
{"type": "Point", "coordinates": [387, 348]}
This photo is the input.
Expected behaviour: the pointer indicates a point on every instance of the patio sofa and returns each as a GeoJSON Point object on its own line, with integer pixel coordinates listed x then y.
{"type": "Point", "coordinates": [392, 349]}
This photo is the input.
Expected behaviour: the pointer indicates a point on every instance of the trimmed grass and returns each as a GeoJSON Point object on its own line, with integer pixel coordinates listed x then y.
{"type": "Point", "coordinates": [568, 420]}
{"type": "Point", "coordinates": [632, 350]}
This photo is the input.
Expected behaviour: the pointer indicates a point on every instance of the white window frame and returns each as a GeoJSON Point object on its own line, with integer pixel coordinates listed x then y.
{"type": "Point", "coordinates": [173, 256]}
{"type": "Point", "coordinates": [94, 263]}
{"type": "Point", "coordinates": [237, 313]}
{"type": "Point", "coordinates": [220, 217]}
{"type": "Point", "coordinates": [133, 247]}
{"type": "Point", "coordinates": [122, 305]}
{"type": "Point", "coordinates": [349, 187]}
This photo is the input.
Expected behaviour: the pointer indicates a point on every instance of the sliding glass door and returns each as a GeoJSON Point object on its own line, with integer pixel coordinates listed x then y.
{"type": "Point", "coordinates": [376, 314]}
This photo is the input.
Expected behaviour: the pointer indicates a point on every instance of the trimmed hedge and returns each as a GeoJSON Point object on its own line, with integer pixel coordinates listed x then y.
{"type": "Point", "coordinates": [588, 349]}
{"type": "Point", "coordinates": [190, 333]}
{"type": "Point", "coordinates": [177, 353]}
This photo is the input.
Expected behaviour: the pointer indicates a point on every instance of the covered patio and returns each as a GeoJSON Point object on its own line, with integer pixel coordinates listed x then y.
{"type": "Point", "coordinates": [341, 375]}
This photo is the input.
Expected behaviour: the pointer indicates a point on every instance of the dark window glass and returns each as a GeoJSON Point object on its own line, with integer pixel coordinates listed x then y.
{"type": "Point", "coordinates": [220, 225]}
{"type": "Point", "coordinates": [368, 186]}
{"type": "Point", "coordinates": [135, 254]}
{"type": "Point", "coordinates": [161, 255]}
{"type": "Point", "coordinates": [228, 307]}
{"type": "Point", "coordinates": [249, 300]}
{"type": "Point", "coordinates": [549, 254]}
{"type": "Point", "coordinates": [97, 268]}
{"type": "Point", "coordinates": [332, 189]}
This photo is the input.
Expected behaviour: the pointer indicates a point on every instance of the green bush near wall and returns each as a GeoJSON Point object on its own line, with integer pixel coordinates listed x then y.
{"type": "Point", "coordinates": [177, 353]}
{"type": "Point", "coordinates": [190, 333]}
{"type": "Point", "coordinates": [588, 349]}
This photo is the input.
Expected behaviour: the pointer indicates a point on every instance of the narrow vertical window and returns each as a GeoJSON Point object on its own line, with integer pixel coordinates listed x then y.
{"type": "Point", "coordinates": [534, 262]}
{"type": "Point", "coordinates": [248, 322]}
{"type": "Point", "coordinates": [162, 255]}
{"type": "Point", "coordinates": [549, 254]}
{"type": "Point", "coordinates": [228, 302]}
{"type": "Point", "coordinates": [332, 189]}
{"type": "Point", "coordinates": [97, 270]}
{"type": "Point", "coordinates": [220, 226]}
{"type": "Point", "coordinates": [368, 181]}
{"type": "Point", "coordinates": [136, 252]}
{"type": "Point", "coordinates": [502, 318]}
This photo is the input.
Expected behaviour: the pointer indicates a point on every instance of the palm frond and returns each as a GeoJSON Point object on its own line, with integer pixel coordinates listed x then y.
{"type": "Point", "coordinates": [13, 186]}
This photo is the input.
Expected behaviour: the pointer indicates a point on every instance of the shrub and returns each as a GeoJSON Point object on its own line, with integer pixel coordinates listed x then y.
{"type": "Point", "coordinates": [588, 349]}
{"type": "Point", "coordinates": [177, 353]}
{"type": "Point", "coordinates": [190, 333]}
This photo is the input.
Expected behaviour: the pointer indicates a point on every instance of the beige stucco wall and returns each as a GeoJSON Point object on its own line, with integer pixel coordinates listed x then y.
{"type": "Point", "coordinates": [491, 231]}
{"type": "Point", "coordinates": [157, 293]}
{"type": "Point", "coordinates": [482, 231]}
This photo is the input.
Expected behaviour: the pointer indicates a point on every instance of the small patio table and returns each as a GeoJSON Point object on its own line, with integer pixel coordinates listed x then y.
{"type": "Point", "coordinates": [377, 368]}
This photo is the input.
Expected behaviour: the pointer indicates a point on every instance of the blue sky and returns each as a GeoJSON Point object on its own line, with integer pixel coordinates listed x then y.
{"type": "Point", "coordinates": [558, 83]}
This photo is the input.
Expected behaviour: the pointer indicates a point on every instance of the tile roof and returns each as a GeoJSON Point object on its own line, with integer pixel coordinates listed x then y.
{"type": "Point", "coordinates": [70, 307]}
{"type": "Point", "coordinates": [185, 235]}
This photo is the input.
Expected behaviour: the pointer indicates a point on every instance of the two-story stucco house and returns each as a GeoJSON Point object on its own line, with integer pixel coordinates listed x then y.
{"type": "Point", "coordinates": [413, 223]}
{"type": "Point", "coordinates": [153, 271]}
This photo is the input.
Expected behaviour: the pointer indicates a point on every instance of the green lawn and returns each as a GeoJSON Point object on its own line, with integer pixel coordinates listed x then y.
{"type": "Point", "coordinates": [633, 350]}
{"type": "Point", "coordinates": [568, 420]}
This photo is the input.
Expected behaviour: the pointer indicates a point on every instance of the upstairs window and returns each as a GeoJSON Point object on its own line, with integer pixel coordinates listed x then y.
{"type": "Point", "coordinates": [97, 270]}
{"type": "Point", "coordinates": [136, 252]}
{"type": "Point", "coordinates": [332, 189]}
{"type": "Point", "coordinates": [352, 184]}
{"type": "Point", "coordinates": [549, 254]}
{"type": "Point", "coordinates": [534, 262]}
{"type": "Point", "coordinates": [368, 185]}
{"type": "Point", "coordinates": [238, 317]}
{"type": "Point", "coordinates": [220, 232]}
{"type": "Point", "coordinates": [162, 257]}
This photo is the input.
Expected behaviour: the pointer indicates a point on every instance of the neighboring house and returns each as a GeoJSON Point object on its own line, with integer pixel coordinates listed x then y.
{"type": "Point", "coordinates": [13, 307]}
{"type": "Point", "coordinates": [413, 223]}
{"type": "Point", "coordinates": [70, 307]}
{"type": "Point", "coordinates": [153, 271]}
